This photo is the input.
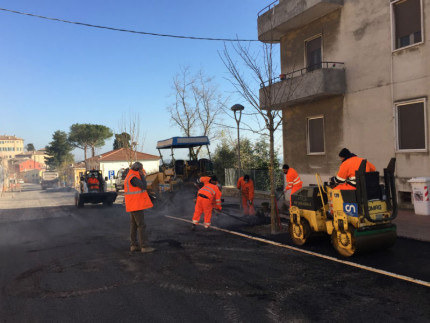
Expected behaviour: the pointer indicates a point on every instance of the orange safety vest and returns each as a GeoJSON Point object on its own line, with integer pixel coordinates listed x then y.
{"type": "Point", "coordinates": [93, 183]}
{"type": "Point", "coordinates": [213, 193]}
{"type": "Point", "coordinates": [247, 189]}
{"type": "Point", "coordinates": [136, 199]}
{"type": "Point", "coordinates": [346, 174]}
{"type": "Point", "coordinates": [293, 180]}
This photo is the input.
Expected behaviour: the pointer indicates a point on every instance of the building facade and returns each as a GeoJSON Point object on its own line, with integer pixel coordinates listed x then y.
{"type": "Point", "coordinates": [355, 74]}
{"type": "Point", "coordinates": [10, 146]}
{"type": "Point", "coordinates": [111, 162]}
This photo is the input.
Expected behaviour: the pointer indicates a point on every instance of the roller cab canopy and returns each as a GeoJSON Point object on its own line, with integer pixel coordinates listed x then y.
{"type": "Point", "coordinates": [183, 142]}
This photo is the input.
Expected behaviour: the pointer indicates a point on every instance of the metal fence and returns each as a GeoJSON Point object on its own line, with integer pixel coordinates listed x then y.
{"type": "Point", "coordinates": [260, 177]}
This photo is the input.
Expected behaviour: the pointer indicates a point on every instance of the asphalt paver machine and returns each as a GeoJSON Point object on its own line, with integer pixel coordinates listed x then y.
{"type": "Point", "coordinates": [191, 169]}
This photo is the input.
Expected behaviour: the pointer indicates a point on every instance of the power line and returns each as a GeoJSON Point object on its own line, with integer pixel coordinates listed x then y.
{"type": "Point", "coordinates": [128, 30]}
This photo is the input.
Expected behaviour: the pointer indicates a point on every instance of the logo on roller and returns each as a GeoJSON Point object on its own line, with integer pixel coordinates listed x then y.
{"type": "Point", "coordinates": [350, 209]}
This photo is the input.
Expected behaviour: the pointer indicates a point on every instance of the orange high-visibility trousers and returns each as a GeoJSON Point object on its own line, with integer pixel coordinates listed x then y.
{"type": "Point", "coordinates": [294, 190]}
{"type": "Point", "coordinates": [247, 209]}
{"type": "Point", "coordinates": [203, 206]}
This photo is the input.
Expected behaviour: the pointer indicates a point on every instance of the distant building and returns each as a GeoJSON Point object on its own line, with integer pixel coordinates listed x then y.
{"type": "Point", "coordinates": [109, 163]}
{"type": "Point", "coordinates": [36, 155]}
{"type": "Point", "coordinates": [32, 176]}
{"type": "Point", "coordinates": [74, 173]}
{"type": "Point", "coordinates": [10, 146]}
{"type": "Point", "coordinates": [21, 166]}
{"type": "Point", "coordinates": [355, 74]}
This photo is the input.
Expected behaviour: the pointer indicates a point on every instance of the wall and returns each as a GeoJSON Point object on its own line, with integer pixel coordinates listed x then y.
{"type": "Point", "coordinates": [150, 166]}
{"type": "Point", "coordinates": [295, 137]}
{"type": "Point", "coordinates": [360, 35]}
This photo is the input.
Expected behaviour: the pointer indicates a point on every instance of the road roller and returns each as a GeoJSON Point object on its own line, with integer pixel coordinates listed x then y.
{"type": "Point", "coordinates": [357, 220]}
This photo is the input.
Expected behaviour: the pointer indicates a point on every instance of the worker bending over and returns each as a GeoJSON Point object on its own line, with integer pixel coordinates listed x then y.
{"type": "Point", "coordinates": [208, 198]}
{"type": "Point", "coordinates": [246, 187]}
{"type": "Point", "coordinates": [292, 180]}
{"type": "Point", "coordinates": [345, 178]}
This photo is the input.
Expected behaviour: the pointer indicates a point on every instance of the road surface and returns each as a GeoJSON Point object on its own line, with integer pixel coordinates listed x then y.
{"type": "Point", "coordinates": [61, 263]}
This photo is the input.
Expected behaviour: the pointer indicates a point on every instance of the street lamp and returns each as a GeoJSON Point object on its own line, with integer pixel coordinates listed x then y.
{"type": "Point", "coordinates": [237, 109]}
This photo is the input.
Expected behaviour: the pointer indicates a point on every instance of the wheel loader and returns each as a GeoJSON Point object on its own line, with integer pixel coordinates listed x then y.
{"type": "Point", "coordinates": [94, 196]}
{"type": "Point", "coordinates": [357, 220]}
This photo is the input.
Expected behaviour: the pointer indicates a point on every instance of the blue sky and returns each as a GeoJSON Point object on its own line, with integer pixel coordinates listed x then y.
{"type": "Point", "coordinates": [55, 74]}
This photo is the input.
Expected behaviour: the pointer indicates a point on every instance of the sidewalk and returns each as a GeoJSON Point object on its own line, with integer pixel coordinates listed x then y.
{"type": "Point", "coordinates": [409, 224]}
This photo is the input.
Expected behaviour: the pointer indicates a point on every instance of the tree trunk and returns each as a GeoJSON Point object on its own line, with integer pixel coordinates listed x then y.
{"type": "Point", "coordinates": [85, 156]}
{"type": "Point", "coordinates": [273, 203]}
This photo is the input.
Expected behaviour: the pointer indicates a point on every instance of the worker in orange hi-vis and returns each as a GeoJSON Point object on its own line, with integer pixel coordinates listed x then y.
{"type": "Point", "coordinates": [208, 198]}
{"type": "Point", "coordinates": [93, 183]}
{"type": "Point", "coordinates": [345, 177]}
{"type": "Point", "coordinates": [292, 180]}
{"type": "Point", "coordinates": [246, 187]}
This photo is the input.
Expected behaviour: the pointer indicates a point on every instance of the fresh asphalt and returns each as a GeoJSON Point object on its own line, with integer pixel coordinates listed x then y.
{"type": "Point", "coordinates": [61, 263]}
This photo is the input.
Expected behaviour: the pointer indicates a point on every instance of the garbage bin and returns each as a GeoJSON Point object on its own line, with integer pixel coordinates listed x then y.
{"type": "Point", "coordinates": [420, 195]}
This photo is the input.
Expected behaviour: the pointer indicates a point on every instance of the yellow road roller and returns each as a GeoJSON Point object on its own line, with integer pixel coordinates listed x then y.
{"type": "Point", "coordinates": [357, 220]}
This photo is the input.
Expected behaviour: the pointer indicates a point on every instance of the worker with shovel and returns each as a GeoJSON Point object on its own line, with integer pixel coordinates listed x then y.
{"type": "Point", "coordinates": [292, 180]}
{"type": "Point", "coordinates": [246, 187]}
{"type": "Point", "coordinates": [208, 198]}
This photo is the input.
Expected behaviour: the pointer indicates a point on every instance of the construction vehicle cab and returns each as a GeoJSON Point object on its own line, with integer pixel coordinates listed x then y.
{"type": "Point", "coordinates": [93, 189]}
{"type": "Point", "coordinates": [186, 170]}
{"type": "Point", "coordinates": [357, 220]}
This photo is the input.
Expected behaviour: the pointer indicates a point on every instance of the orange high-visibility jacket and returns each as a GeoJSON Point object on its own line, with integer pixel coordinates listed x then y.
{"type": "Point", "coordinates": [213, 193]}
{"type": "Point", "coordinates": [293, 180]}
{"type": "Point", "coordinates": [93, 183]}
{"type": "Point", "coordinates": [247, 189]}
{"type": "Point", "coordinates": [347, 169]}
{"type": "Point", "coordinates": [136, 199]}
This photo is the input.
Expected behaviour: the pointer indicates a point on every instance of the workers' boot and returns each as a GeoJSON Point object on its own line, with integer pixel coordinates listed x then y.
{"type": "Point", "coordinates": [134, 248]}
{"type": "Point", "coordinates": [147, 249]}
{"type": "Point", "coordinates": [193, 227]}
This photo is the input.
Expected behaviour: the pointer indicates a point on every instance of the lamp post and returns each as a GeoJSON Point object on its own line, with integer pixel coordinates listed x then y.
{"type": "Point", "coordinates": [237, 109]}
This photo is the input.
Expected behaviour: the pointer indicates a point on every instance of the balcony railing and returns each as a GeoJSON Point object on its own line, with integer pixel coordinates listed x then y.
{"type": "Point", "coordinates": [280, 17]}
{"type": "Point", "coordinates": [267, 8]}
{"type": "Point", "coordinates": [315, 82]}
{"type": "Point", "coordinates": [302, 71]}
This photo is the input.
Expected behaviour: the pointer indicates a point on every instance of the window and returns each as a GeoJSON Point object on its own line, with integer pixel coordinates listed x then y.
{"type": "Point", "coordinates": [313, 53]}
{"type": "Point", "coordinates": [407, 18]}
{"type": "Point", "coordinates": [411, 126]}
{"type": "Point", "coordinates": [316, 135]}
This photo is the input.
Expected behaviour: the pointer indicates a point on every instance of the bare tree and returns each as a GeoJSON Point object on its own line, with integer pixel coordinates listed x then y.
{"type": "Point", "coordinates": [131, 126]}
{"type": "Point", "coordinates": [182, 112]}
{"type": "Point", "coordinates": [197, 106]}
{"type": "Point", "coordinates": [264, 100]}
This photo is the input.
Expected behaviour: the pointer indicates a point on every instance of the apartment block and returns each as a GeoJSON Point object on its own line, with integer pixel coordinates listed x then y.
{"type": "Point", "coordinates": [10, 146]}
{"type": "Point", "coordinates": [355, 74]}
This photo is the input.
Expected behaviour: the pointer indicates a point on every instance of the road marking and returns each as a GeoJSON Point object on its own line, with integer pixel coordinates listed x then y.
{"type": "Point", "coordinates": [348, 263]}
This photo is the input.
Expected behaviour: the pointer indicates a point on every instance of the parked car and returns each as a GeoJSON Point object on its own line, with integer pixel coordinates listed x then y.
{"type": "Point", "coordinates": [20, 181]}
{"type": "Point", "coordinates": [119, 179]}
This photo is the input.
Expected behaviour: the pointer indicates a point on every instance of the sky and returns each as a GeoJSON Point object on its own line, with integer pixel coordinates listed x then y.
{"type": "Point", "coordinates": [55, 74]}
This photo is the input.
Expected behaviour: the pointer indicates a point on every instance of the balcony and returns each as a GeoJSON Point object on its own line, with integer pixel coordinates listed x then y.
{"type": "Point", "coordinates": [305, 85]}
{"type": "Point", "coordinates": [281, 16]}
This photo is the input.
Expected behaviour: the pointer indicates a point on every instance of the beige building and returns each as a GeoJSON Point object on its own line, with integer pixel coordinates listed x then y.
{"type": "Point", "coordinates": [355, 74]}
{"type": "Point", "coordinates": [10, 146]}
{"type": "Point", "coordinates": [38, 156]}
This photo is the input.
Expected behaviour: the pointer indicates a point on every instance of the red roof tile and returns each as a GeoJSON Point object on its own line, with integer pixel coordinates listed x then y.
{"type": "Point", "coordinates": [123, 154]}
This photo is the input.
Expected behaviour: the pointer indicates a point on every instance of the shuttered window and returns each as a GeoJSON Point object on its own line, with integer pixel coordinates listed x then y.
{"type": "Point", "coordinates": [411, 127]}
{"type": "Point", "coordinates": [316, 135]}
{"type": "Point", "coordinates": [407, 23]}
